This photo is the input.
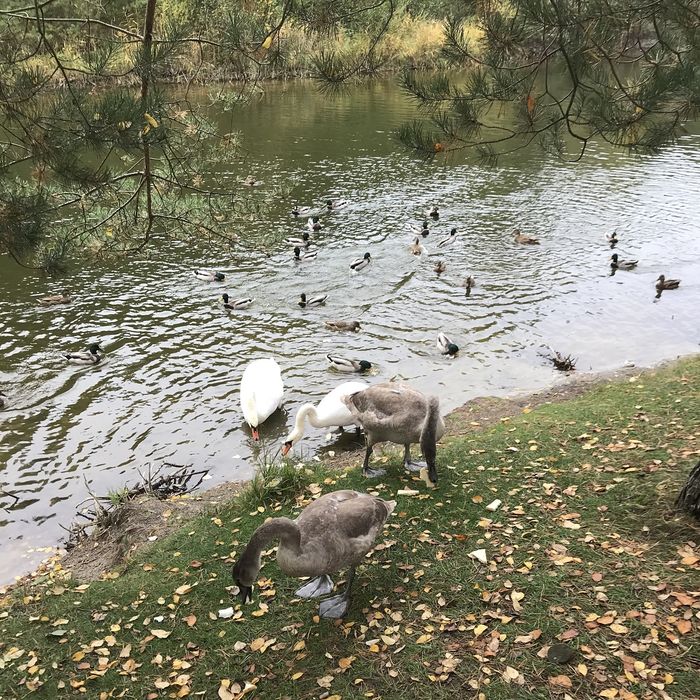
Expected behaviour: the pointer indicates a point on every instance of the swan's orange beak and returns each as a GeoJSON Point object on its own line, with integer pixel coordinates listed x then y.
{"type": "Point", "coordinates": [286, 447]}
{"type": "Point", "coordinates": [256, 434]}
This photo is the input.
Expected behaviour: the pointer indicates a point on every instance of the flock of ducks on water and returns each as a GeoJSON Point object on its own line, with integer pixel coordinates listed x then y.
{"type": "Point", "coordinates": [662, 284]}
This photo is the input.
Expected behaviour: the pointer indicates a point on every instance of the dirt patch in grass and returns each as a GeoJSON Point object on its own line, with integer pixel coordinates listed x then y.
{"type": "Point", "coordinates": [137, 524]}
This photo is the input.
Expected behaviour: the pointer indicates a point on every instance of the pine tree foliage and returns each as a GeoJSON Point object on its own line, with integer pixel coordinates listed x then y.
{"type": "Point", "coordinates": [560, 73]}
{"type": "Point", "coordinates": [98, 156]}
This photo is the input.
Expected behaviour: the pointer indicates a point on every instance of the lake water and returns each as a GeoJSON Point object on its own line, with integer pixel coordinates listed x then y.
{"type": "Point", "coordinates": [168, 390]}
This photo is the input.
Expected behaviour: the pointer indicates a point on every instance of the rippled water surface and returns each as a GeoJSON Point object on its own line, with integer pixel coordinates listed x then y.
{"type": "Point", "coordinates": [169, 388]}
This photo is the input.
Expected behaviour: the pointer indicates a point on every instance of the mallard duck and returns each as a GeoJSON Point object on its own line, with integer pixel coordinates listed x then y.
{"type": "Point", "coordinates": [330, 412]}
{"type": "Point", "coordinates": [662, 284]}
{"type": "Point", "coordinates": [300, 211]}
{"type": "Point", "coordinates": [304, 257]}
{"type": "Point", "coordinates": [333, 532]}
{"type": "Point", "coordinates": [313, 301]}
{"type": "Point", "coordinates": [424, 231]}
{"type": "Point", "coordinates": [449, 240]}
{"type": "Point", "coordinates": [209, 275]}
{"type": "Point", "coordinates": [304, 241]}
{"type": "Point", "coordinates": [524, 240]}
{"type": "Point", "coordinates": [313, 223]}
{"type": "Point", "coordinates": [468, 283]}
{"type": "Point", "coordinates": [416, 247]}
{"type": "Point", "coordinates": [360, 263]}
{"type": "Point", "coordinates": [92, 356]}
{"type": "Point", "coordinates": [433, 212]}
{"type": "Point", "coordinates": [617, 264]}
{"type": "Point", "coordinates": [338, 204]}
{"type": "Point", "coordinates": [344, 365]}
{"type": "Point", "coordinates": [234, 304]}
{"type": "Point", "coordinates": [63, 298]}
{"type": "Point", "coordinates": [446, 346]}
{"type": "Point", "coordinates": [440, 267]}
{"type": "Point", "coordinates": [397, 413]}
{"type": "Point", "coordinates": [262, 390]}
{"type": "Point", "coordinates": [612, 239]}
{"type": "Point", "coordinates": [343, 325]}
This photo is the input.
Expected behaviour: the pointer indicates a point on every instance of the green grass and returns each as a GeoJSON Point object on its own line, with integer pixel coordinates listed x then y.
{"type": "Point", "coordinates": [586, 548]}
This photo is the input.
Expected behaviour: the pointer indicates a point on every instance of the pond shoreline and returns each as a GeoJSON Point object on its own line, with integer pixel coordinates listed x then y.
{"type": "Point", "coordinates": [156, 519]}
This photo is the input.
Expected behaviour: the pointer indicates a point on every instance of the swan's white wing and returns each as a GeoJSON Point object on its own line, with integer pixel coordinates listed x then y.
{"type": "Point", "coordinates": [332, 411]}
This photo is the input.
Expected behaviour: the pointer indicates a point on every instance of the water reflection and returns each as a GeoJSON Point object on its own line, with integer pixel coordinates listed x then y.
{"type": "Point", "coordinates": [168, 387]}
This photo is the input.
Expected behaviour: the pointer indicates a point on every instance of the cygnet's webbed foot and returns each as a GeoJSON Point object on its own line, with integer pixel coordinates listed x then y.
{"type": "Point", "coordinates": [415, 466]}
{"type": "Point", "coordinates": [316, 587]}
{"type": "Point", "coordinates": [335, 607]}
{"type": "Point", "coordinates": [374, 473]}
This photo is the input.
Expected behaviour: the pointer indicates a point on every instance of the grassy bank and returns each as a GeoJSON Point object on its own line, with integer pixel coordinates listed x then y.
{"type": "Point", "coordinates": [409, 40]}
{"type": "Point", "coordinates": [585, 550]}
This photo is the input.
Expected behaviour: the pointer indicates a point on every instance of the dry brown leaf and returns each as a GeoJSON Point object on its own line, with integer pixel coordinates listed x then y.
{"type": "Point", "coordinates": [324, 681]}
{"type": "Point", "coordinates": [228, 690]}
{"type": "Point", "coordinates": [345, 662]}
{"type": "Point", "coordinates": [684, 626]}
{"type": "Point", "coordinates": [561, 681]}
{"type": "Point", "coordinates": [190, 620]}
{"type": "Point", "coordinates": [161, 634]}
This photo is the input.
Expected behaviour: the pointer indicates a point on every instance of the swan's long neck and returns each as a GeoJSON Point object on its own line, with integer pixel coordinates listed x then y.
{"type": "Point", "coordinates": [308, 410]}
{"type": "Point", "coordinates": [282, 529]}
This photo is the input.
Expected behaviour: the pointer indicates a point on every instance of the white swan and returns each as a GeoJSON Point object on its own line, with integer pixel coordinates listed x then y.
{"type": "Point", "coordinates": [330, 411]}
{"type": "Point", "coordinates": [261, 392]}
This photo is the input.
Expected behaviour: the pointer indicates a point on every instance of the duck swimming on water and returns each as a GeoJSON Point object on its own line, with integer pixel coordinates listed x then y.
{"type": "Point", "coordinates": [235, 304]}
{"type": "Point", "coordinates": [92, 356]}
{"type": "Point", "coordinates": [360, 263]}
{"type": "Point", "coordinates": [53, 300]}
{"type": "Point", "coordinates": [305, 301]}
{"type": "Point", "coordinates": [344, 365]}
{"type": "Point", "coordinates": [446, 346]}
{"type": "Point", "coordinates": [617, 264]}
{"type": "Point", "coordinates": [304, 257]}
{"type": "Point", "coordinates": [304, 241]}
{"type": "Point", "coordinates": [449, 240]}
{"type": "Point", "coordinates": [662, 284]}
{"type": "Point", "coordinates": [314, 224]}
{"type": "Point", "coordinates": [343, 325]}
{"type": "Point", "coordinates": [209, 275]}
